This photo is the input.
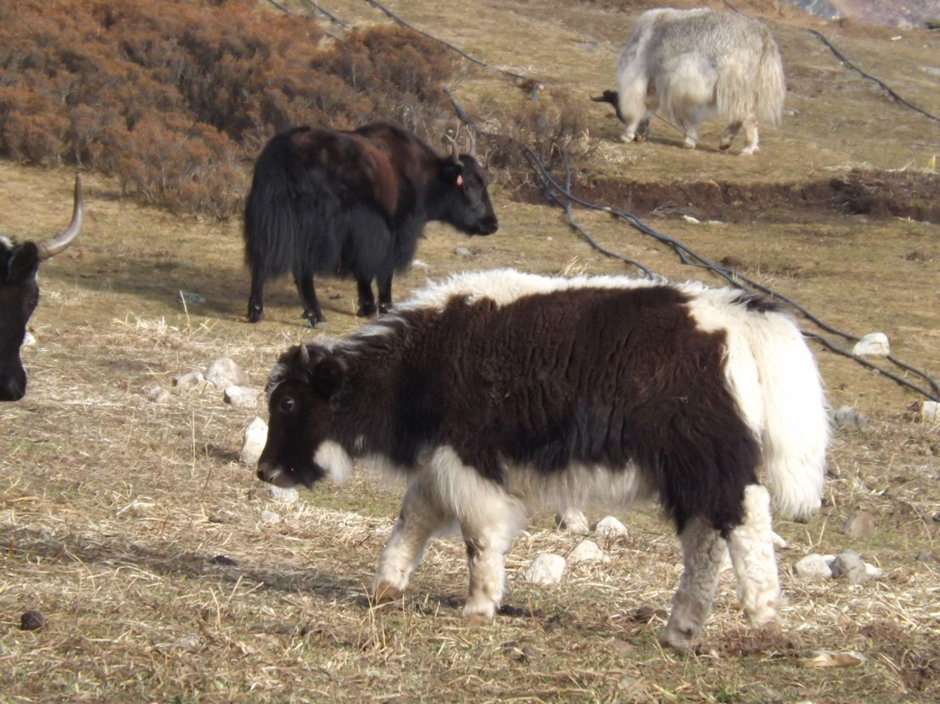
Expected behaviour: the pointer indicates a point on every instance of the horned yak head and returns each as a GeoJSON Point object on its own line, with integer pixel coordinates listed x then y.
{"type": "Point", "coordinates": [19, 295]}
{"type": "Point", "coordinates": [303, 393]}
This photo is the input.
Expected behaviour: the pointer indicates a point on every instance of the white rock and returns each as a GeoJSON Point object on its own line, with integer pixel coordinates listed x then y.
{"type": "Point", "coordinates": [241, 396]}
{"type": "Point", "coordinates": [572, 521]}
{"type": "Point", "coordinates": [813, 567]}
{"type": "Point", "coordinates": [545, 569]}
{"type": "Point", "coordinates": [418, 265]}
{"type": "Point", "coordinates": [778, 541]}
{"type": "Point", "coordinates": [930, 411]}
{"type": "Point", "coordinates": [223, 372]}
{"type": "Point", "coordinates": [872, 571]}
{"type": "Point", "coordinates": [256, 435]}
{"type": "Point", "coordinates": [270, 517]}
{"type": "Point", "coordinates": [29, 340]}
{"type": "Point", "coordinates": [158, 395]}
{"type": "Point", "coordinates": [874, 344]}
{"type": "Point", "coordinates": [189, 382]}
{"type": "Point", "coordinates": [587, 551]}
{"type": "Point", "coordinates": [190, 298]}
{"type": "Point", "coordinates": [284, 496]}
{"type": "Point", "coordinates": [610, 528]}
{"type": "Point", "coordinates": [690, 219]}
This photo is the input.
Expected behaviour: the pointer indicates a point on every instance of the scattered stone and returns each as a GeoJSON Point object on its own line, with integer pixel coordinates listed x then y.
{"type": "Point", "coordinates": [545, 569]}
{"type": "Point", "coordinates": [418, 265]}
{"type": "Point", "coordinates": [793, 112]}
{"type": "Point", "coordinates": [462, 252]}
{"type": "Point", "coordinates": [874, 344]}
{"type": "Point", "coordinates": [873, 571]}
{"type": "Point", "coordinates": [573, 521]}
{"type": "Point", "coordinates": [610, 528]}
{"type": "Point", "coordinates": [270, 517]}
{"type": "Point", "coordinates": [847, 417]}
{"type": "Point", "coordinates": [158, 395]}
{"type": "Point", "coordinates": [223, 372]}
{"type": "Point", "coordinates": [256, 435]}
{"type": "Point", "coordinates": [690, 219]}
{"type": "Point", "coordinates": [284, 496]}
{"type": "Point", "coordinates": [241, 396]}
{"type": "Point", "coordinates": [635, 691]}
{"type": "Point", "coordinates": [190, 298]}
{"type": "Point", "coordinates": [189, 382]}
{"type": "Point", "coordinates": [860, 525]}
{"type": "Point", "coordinates": [929, 412]}
{"type": "Point", "coordinates": [29, 340]}
{"type": "Point", "coordinates": [621, 647]}
{"type": "Point", "coordinates": [849, 565]}
{"type": "Point", "coordinates": [32, 621]}
{"type": "Point", "coordinates": [587, 551]}
{"type": "Point", "coordinates": [813, 567]}
{"type": "Point", "coordinates": [931, 70]}
{"type": "Point", "coordinates": [928, 557]}
{"type": "Point", "coordinates": [187, 642]}
{"type": "Point", "coordinates": [223, 560]}
{"type": "Point", "coordinates": [778, 542]}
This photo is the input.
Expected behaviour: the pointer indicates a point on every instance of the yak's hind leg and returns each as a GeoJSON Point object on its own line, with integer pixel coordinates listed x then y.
{"type": "Point", "coordinates": [256, 297]}
{"type": "Point", "coordinates": [421, 515]}
{"type": "Point", "coordinates": [489, 519]}
{"type": "Point", "coordinates": [384, 283]}
{"type": "Point", "coordinates": [703, 551]}
{"type": "Point", "coordinates": [728, 134]}
{"type": "Point", "coordinates": [366, 299]}
{"type": "Point", "coordinates": [308, 296]}
{"type": "Point", "coordinates": [750, 136]}
{"type": "Point", "coordinates": [752, 554]}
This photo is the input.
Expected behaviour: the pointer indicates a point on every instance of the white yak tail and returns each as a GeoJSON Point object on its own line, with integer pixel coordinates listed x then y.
{"type": "Point", "coordinates": [771, 87]}
{"type": "Point", "coordinates": [795, 427]}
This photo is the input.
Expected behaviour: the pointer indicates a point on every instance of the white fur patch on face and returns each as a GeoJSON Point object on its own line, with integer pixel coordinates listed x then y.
{"type": "Point", "coordinates": [334, 459]}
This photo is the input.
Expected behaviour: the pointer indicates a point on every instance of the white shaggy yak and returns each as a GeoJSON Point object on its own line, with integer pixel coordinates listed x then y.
{"type": "Point", "coordinates": [688, 64]}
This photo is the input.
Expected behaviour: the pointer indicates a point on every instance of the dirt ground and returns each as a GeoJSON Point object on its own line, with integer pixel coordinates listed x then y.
{"type": "Point", "coordinates": [137, 534]}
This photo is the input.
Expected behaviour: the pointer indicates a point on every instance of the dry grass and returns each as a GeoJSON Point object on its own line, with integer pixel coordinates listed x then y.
{"type": "Point", "coordinates": [113, 508]}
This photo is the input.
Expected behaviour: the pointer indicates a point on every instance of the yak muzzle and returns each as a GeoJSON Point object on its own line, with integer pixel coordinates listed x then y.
{"type": "Point", "coordinates": [275, 475]}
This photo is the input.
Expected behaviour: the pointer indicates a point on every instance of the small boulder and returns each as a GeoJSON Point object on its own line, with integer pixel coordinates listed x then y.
{"type": "Point", "coordinates": [587, 552]}
{"type": "Point", "coordinates": [190, 298]}
{"type": "Point", "coordinates": [241, 396]}
{"type": "Point", "coordinates": [849, 565]}
{"type": "Point", "coordinates": [418, 265]}
{"type": "Point", "coordinates": [256, 435]}
{"type": "Point", "coordinates": [223, 372]}
{"type": "Point", "coordinates": [189, 382]}
{"type": "Point", "coordinates": [813, 567]}
{"type": "Point", "coordinates": [572, 521]}
{"type": "Point", "coordinates": [462, 252]}
{"type": "Point", "coordinates": [545, 569]}
{"type": "Point", "coordinates": [281, 495]}
{"type": "Point", "coordinates": [270, 517]}
{"type": "Point", "coordinates": [929, 412]}
{"type": "Point", "coordinates": [29, 340]}
{"type": "Point", "coordinates": [32, 621]}
{"type": "Point", "coordinates": [860, 524]}
{"type": "Point", "coordinates": [874, 344]}
{"type": "Point", "coordinates": [158, 395]}
{"type": "Point", "coordinates": [610, 528]}
{"type": "Point", "coordinates": [847, 417]}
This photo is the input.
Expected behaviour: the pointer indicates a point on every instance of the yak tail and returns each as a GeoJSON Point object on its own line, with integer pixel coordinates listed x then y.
{"type": "Point", "coordinates": [272, 221]}
{"type": "Point", "coordinates": [771, 85]}
{"type": "Point", "coordinates": [782, 397]}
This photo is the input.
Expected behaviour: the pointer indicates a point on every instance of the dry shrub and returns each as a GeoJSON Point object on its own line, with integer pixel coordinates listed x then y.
{"type": "Point", "coordinates": [557, 124]}
{"type": "Point", "coordinates": [172, 96]}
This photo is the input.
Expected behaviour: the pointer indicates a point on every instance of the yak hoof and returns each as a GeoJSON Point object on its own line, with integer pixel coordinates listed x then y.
{"type": "Point", "coordinates": [384, 592]}
{"type": "Point", "coordinates": [724, 147]}
{"type": "Point", "coordinates": [366, 311]}
{"type": "Point", "coordinates": [676, 638]}
{"type": "Point", "coordinates": [255, 316]}
{"type": "Point", "coordinates": [385, 308]}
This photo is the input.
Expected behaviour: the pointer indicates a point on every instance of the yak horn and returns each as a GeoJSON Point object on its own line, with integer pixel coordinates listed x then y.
{"type": "Point", "coordinates": [62, 242]}
{"type": "Point", "coordinates": [304, 353]}
{"type": "Point", "coordinates": [472, 137]}
{"type": "Point", "coordinates": [454, 149]}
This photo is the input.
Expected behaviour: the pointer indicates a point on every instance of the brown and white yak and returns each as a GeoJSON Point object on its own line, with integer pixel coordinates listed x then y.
{"type": "Point", "coordinates": [494, 390]}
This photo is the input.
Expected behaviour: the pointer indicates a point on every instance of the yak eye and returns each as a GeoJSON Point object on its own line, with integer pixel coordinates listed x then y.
{"type": "Point", "coordinates": [287, 404]}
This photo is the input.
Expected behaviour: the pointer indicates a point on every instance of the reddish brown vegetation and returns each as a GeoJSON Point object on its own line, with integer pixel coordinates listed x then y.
{"type": "Point", "coordinates": [172, 95]}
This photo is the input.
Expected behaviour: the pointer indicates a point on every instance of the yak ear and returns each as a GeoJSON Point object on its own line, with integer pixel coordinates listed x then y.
{"type": "Point", "coordinates": [451, 173]}
{"type": "Point", "coordinates": [24, 263]}
{"type": "Point", "coordinates": [328, 378]}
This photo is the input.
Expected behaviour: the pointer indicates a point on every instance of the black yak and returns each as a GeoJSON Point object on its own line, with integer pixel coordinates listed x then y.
{"type": "Point", "coordinates": [353, 203]}
{"type": "Point", "coordinates": [492, 390]}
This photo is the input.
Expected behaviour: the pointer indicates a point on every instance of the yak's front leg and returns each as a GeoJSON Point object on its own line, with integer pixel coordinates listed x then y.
{"type": "Point", "coordinates": [420, 516]}
{"type": "Point", "coordinates": [384, 284]}
{"type": "Point", "coordinates": [703, 551]}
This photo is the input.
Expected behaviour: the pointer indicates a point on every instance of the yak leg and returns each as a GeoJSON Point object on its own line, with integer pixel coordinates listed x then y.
{"type": "Point", "coordinates": [255, 299]}
{"type": "Point", "coordinates": [643, 130]}
{"type": "Point", "coordinates": [750, 137]}
{"type": "Point", "coordinates": [385, 293]}
{"type": "Point", "coordinates": [366, 299]}
{"type": "Point", "coordinates": [420, 516]}
{"type": "Point", "coordinates": [728, 134]}
{"type": "Point", "coordinates": [752, 554]}
{"type": "Point", "coordinates": [703, 551]}
{"type": "Point", "coordinates": [691, 136]}
{"type": "Point", "coordinates": [308, 296]}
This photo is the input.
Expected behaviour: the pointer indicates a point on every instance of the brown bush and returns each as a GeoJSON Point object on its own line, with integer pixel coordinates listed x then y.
{"type": "Point", "coordinates": [173, 96]}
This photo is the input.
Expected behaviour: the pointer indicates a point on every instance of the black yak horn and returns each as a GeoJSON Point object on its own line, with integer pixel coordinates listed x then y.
{"type": "Point", "coordinates": [304, 353]}
{"type": "Point", "coordinates": [62, 242]}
